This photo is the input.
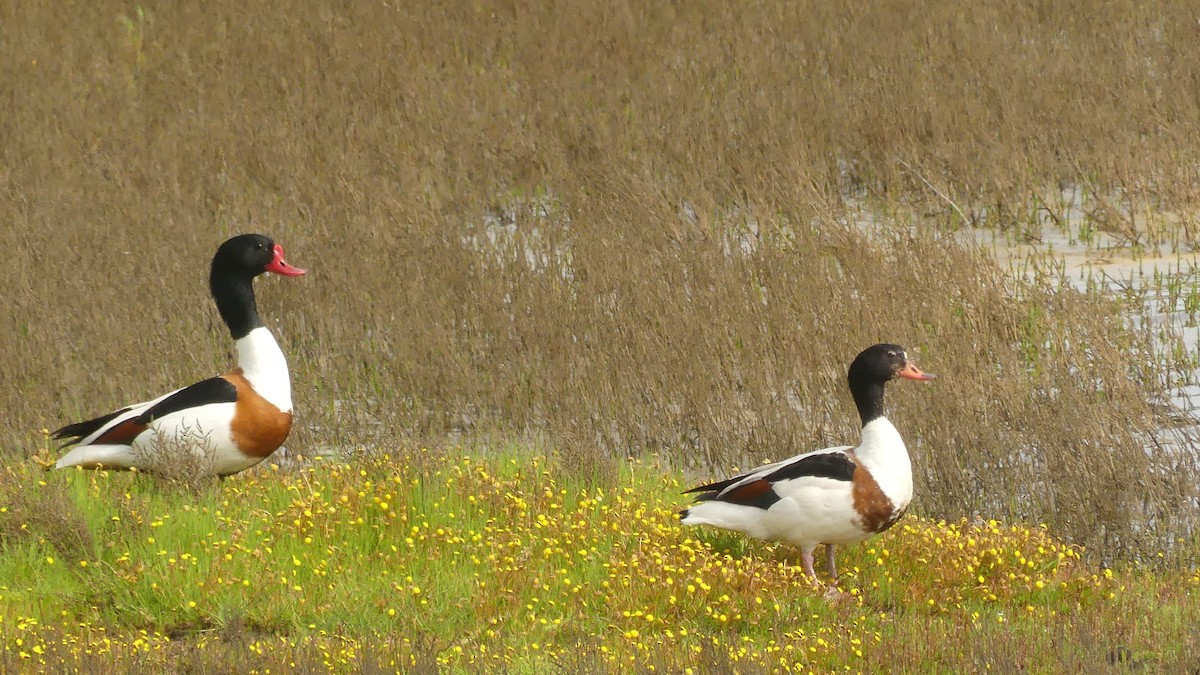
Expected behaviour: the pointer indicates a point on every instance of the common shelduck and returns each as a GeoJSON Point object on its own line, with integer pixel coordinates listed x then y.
{"type": "Point", "coordinates": [237, 419]}
{"type": "Point", "coordinates": [839, 495]}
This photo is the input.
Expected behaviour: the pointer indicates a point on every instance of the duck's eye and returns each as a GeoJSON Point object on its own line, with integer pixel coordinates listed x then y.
{"type": "Point", "coordinates": [892, 353]}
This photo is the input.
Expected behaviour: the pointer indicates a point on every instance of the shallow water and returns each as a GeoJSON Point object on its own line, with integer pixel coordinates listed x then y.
{"type": "Point", "coordinates": [1160, 291]}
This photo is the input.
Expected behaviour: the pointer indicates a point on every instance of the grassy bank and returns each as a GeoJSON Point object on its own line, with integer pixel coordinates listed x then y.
{"type": "Point", "coordinates": [622, 229]}
{"type": "Point", "coordinates": [450, 560]}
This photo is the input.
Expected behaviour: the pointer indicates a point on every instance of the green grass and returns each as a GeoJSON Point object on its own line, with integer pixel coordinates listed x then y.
{"type": "Point", "coordinates": [441, 560]}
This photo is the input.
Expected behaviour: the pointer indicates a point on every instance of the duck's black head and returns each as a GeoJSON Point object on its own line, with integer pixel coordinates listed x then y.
{"type": "Point", "coordinates": [234, 267]}
{"type": "Point", "coordinates": [874, 367]}
{"type": "Point", "coordinates": [249, 255]}
{"type": "Point", "coordinates": [880, 363]}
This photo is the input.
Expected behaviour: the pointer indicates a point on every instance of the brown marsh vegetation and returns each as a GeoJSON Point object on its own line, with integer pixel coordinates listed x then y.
{"type": "Point", "coordinates": [614, 227]}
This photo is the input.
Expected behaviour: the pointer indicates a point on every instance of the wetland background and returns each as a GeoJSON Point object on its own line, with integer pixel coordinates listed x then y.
{"type": "Point", "coordinates": [615, 228]}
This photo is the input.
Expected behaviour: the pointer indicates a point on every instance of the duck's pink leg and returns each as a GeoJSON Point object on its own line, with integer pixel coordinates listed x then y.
{"type": "Point", "coordinates": [829, 566]}
{"type": "Point", "coordinates": [806, 558]}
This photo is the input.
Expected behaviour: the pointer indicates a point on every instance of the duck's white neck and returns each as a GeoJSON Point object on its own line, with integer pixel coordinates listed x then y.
{"type": "Point", "coordinates": [882, 451]}
{"type": "Point", "coordinates": [263, 364]}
